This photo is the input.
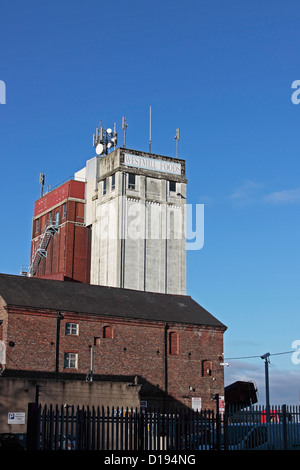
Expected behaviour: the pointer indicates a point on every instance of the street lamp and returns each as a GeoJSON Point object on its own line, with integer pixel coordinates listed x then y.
{"type": "Point", "coordinates": [267, 361]}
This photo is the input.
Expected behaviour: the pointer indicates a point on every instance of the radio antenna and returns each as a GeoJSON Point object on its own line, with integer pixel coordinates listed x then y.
{"type": "Point", "coordinates": [124, 126]}
{"type": "Point", "coordinates": [150, 131]}
{"type": "Point", "coordinates": [177, 140]}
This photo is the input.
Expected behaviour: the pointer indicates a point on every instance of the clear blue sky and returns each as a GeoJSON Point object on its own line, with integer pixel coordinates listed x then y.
{"type": "Point", "coordinates": [219, 70]}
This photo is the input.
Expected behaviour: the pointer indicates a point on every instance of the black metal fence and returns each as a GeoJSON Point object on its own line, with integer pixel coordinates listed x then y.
{"type": "Point", "coordinates": [90, 428]}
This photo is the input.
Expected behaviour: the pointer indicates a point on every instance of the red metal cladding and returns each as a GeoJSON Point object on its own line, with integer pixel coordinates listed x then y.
{"type": "Point", "coordinates": [72, 188]}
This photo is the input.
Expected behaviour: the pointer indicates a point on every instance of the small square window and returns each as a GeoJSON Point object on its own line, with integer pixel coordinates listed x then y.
{"type": "Point", "coordinates": [113, 182]}
{"type": "Point", "coordinates": [71, 329]}
{"type": "Point", "coordinates": [108, 332]}
{"type": "Point", "coordinates": [172, 186]}
{"type": "Point", "coordinates": [131, 181]}
{"type": "Point", "coordinates": [70, 360]}
{"type": "Point", "coordinates": [206, 368]}
{"type": "Point", "coordinates": [174, 343]}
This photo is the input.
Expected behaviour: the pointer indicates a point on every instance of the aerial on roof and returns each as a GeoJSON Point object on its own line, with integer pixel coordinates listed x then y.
{"type": "Point", "coordinates": [100, 300]}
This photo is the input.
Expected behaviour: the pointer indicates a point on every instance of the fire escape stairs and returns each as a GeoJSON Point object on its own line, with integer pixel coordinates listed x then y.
{"type": "Point", "coordinates": [41, 251]}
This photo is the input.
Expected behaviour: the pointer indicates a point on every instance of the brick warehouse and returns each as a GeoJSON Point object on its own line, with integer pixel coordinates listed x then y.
{"type": "Point", "coordinates": [170, 343]}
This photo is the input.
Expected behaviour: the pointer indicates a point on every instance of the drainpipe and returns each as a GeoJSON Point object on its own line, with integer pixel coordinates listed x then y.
{"type": "Point", "coordinates": [166, 358]}
{"type": "Point", "coordinates": [57, 340]}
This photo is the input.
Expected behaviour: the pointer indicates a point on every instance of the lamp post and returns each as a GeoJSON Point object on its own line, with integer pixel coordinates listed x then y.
{"type": "Point", "coordinates": [266, 358]}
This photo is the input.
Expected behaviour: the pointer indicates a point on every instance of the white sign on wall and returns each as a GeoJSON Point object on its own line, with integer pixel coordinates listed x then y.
{"type": "Point", "coordinates": [196, 403]}
{"type": "Point", "coordinates": [152, 164]}
{"type": "Point", "coordinates": [16, 418]}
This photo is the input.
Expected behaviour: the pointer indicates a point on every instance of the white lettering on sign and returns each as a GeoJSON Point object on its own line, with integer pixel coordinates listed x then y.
{"type": "Point", "coordinates": [152, 164]}
{"type": "Point", "coordinates": [16, 418]}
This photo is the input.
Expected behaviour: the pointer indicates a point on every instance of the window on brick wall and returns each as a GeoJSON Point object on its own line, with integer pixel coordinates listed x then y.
{"type": "Point", "coordinates": [173, 343]}
{"type": "Point", "coordinates": [108, 332]}
{"type": "Point", "coordinates": [70, 360]}
{"type": "Point", "coordinates": [206, 368]}
{"type": "Point", "coordinates": [64, 210]}
{"type": "Point", "coordinates": [72, 329]}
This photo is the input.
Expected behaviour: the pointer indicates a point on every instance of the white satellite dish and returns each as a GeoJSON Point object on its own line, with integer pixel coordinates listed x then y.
{"type": "Point", "coordinates": [109, 145]}
{"type": "Point", "coordinates": [99, 149]}
{"type": "Point", "coordinates": [109, 131]}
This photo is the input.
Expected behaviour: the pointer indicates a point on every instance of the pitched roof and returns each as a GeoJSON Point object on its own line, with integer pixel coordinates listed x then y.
{"type": "Point", "coordinates": [100, 300]}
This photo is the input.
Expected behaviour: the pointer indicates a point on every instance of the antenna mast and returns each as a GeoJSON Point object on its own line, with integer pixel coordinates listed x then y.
{"type": "Point", "coordinates": [124, 126]}
{"type": "Point", "coordinates": [150, 131]}
{"type": "Point", "coordinates": [177, 140]}
{"type": "Point", "coordinates": [42, 182]}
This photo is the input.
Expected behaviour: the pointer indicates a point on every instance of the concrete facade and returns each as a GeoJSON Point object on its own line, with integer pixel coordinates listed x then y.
{"type": "Point", "coordinates": [135, 205]}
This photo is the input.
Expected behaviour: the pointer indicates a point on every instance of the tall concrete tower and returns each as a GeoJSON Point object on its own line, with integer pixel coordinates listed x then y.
{"type": "Point", "coordinates": [135, 206]}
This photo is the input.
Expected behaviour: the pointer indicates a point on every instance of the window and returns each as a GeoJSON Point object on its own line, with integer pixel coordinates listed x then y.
{"type": "Point", "coordinates": [70, 360]}
{"type": "Point", "coordinates": [104, 186]}
{"type": "Point", "coordinates": [71, 329]}
{"type": "Point", "coordinates": [50, 218]}
{"type": "Point", "coordinates": [97, 341]}
{"type": "Point", "coordinates": [57, 218]}
{"type": "Point", "coordinates": [108, 332]}
{"type": "Point", "coordinates": [172, 186]}
{"type": "Point", "coordinates": [113, 182]}
{"type": "Point", "coordinates": [37, 226]}
{"type": "Point", "coordinates": [131, 181]}
{"type": "Point", "coordinates": [64, 210]}
{"type": "Point", "coordinates": [206, 368]}
{"type": "Point", "coordinates": [174, 343]}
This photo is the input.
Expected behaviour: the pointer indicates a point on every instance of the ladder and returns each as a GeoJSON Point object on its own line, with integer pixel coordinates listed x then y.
{"type": "Point", "coordinates": [41, 251]}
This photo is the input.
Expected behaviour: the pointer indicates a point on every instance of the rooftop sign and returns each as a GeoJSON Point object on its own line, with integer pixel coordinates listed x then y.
{"type": "Point", "coordinates": [154, 164]}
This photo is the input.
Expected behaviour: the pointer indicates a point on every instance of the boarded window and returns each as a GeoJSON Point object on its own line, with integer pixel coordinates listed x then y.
{"type": "Point", "coordinates": [174, 343]}
{"type": "Point", "coordinates": [107, 332]}
{"type": "Point", "coordinates": [206, 368]}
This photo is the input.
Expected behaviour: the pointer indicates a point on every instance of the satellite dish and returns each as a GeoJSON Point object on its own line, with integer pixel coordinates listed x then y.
{"type": "Point", "coordinates": [109, 145]}
{"type": "Point", "coordinates": [109, 131]}
{"type": "Point", "coordinates": [99, 149]}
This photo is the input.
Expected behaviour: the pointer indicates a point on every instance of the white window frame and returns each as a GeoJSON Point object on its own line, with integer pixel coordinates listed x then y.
{"type": "Point", "coordinates": [70, 360]}
{"type": "Point", "coordinates": [72, 329]}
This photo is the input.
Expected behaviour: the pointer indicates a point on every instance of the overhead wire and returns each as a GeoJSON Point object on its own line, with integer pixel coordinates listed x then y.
{"type": "Point", "coordinates": [260, 355]}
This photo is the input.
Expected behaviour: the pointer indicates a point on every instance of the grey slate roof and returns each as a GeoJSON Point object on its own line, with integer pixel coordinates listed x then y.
{"type": "Point", "coordinates": [99, 300]}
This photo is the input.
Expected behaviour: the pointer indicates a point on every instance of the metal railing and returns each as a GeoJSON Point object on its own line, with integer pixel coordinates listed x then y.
{"type": "Point", "coordinates": [99, 428]}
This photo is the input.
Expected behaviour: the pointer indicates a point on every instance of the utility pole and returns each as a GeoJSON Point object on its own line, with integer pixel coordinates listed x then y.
{"type": "Point", "coordinates": [267, 361]}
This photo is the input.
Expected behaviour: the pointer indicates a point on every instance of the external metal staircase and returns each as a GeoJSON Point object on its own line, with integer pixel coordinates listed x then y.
{"type": "Point", "coordinates": [41, 251]}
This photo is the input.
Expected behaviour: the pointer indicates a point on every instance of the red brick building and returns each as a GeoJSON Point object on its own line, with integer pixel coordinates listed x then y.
{"type": "Point", "coordinates": [169, 343]}
{"type": "Point", "coordinates": [60, 245]}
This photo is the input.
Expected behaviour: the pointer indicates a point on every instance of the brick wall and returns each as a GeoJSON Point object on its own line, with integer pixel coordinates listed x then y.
{"type": "Point", "coordinates": [135, 348]}
{"type": "Point", "coordinates": [68, 251]}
